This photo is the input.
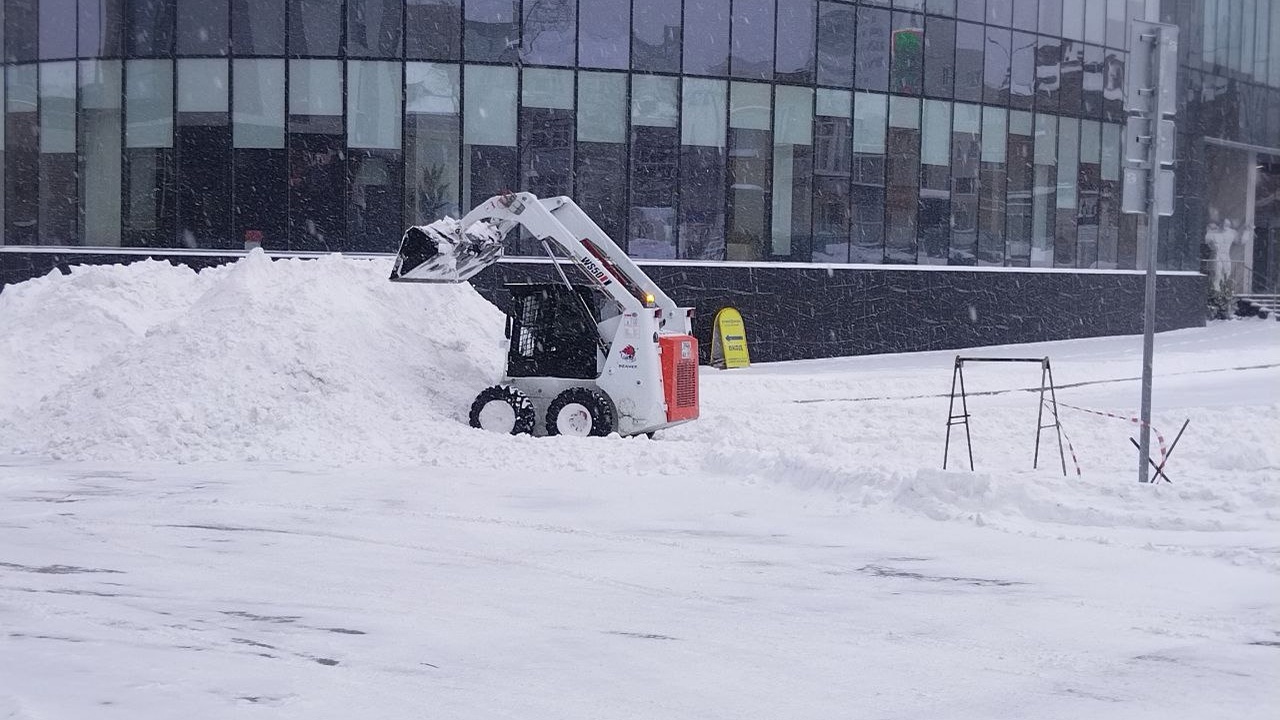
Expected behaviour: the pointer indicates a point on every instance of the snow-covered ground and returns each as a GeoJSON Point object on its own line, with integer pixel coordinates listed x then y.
{"type": "Point", "coordinates": [251, 492]}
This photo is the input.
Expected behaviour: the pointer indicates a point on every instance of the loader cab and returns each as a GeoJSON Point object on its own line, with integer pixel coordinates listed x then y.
{"type": "Point", "coordinates": [552, 330]}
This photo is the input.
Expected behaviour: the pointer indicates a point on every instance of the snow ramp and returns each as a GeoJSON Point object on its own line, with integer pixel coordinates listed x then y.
{"type": "Point", "coordinates": [322, 360]}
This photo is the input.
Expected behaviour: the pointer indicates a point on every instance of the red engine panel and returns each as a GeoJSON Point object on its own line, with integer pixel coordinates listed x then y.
{"type": "Point", "coordinates": [680, 375]}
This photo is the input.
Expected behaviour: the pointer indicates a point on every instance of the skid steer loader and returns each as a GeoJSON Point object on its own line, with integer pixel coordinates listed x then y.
{"type": "Point", "coordinates": [612, 355]}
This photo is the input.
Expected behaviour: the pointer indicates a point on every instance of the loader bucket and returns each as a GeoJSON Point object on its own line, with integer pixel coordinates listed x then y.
{"type": "Point", "coordinates": [443, 252]}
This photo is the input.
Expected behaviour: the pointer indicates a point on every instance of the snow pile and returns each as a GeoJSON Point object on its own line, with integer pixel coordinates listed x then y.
{"type": "Point", "coordinates": [319, 360]}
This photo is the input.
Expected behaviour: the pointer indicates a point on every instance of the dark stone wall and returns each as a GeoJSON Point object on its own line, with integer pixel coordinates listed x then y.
{"type": "Point", "coordinates": [794, 313]}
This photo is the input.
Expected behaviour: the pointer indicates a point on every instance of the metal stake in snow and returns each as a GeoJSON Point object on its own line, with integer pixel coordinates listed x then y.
{"type": "Point", "coordinates": [1148, 185]}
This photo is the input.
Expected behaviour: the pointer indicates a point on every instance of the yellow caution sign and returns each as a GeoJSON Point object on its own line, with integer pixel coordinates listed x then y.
{"type": "Point", "coordinates": [729, 340]}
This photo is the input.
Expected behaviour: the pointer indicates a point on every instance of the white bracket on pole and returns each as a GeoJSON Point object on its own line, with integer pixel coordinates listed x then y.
{"type": "Point", "coordinates": [1148, 184]}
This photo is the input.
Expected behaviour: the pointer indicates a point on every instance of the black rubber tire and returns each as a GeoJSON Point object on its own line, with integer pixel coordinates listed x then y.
{"type": "Point", "coordinates": [519, 402]}
{"type": "Point", "coordinates": [596, 403]}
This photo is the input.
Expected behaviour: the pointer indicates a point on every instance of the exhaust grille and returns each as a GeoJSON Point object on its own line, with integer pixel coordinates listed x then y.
{"type": "Point", "coordinates": [686, 384]}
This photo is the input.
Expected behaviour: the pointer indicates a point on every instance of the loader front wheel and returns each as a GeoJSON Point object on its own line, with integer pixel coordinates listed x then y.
{"type": "Point", "coordinates": [580, 412]}
{"type": "Point", "coordinates": [504, 409]}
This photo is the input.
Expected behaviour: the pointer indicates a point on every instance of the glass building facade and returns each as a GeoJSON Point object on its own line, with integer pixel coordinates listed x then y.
{"type": "Point", "coordinates": [953, 132]}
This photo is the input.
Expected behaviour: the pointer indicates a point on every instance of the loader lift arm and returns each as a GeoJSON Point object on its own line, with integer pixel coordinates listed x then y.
{"type": "Point", "coordinates": [453, 251]}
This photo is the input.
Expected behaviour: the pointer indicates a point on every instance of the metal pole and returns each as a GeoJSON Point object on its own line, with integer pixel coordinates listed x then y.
{"type": "Point", "coordinates": [1153, 234]}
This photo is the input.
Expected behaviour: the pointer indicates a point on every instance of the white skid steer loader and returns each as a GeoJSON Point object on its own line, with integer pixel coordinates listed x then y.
{"type": "Point", "coordinates": [577, 363]}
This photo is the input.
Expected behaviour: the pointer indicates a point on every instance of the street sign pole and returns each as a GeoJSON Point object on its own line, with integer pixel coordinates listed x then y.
{"type": "Point", "coordinates": [1149, 296]}
{"type": "Point", "coordinates": [1153, 66]}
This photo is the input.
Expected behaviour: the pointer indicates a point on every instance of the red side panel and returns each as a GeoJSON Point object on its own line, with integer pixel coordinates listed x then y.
{"type": "Point", "coordinates": [680, 375]}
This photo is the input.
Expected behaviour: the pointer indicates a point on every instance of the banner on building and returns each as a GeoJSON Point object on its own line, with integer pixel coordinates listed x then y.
{"type": "Point", "coordinates": [729, 340]}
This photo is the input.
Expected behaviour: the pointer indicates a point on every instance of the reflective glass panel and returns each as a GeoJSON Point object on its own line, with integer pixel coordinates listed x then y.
{"type": "Point", "coordinates": [315, 27]}
{"type": "Point", "coordinates": [795, 38]}
{"type": "Point", "coordinates": [257, 108]}
{"type": "Point", "coordinates": [433, 29]}
{"type": "Point", "coordinates": [602, 107]}
{"type": "Point", "coordinates": [202, 27]}
{"type": "Point", "coordinates": [550, 32]}
{"type": "Point", "coordinates": [149, 103]}
{"type": "Point", "coordinates": [202, 85]}
{"type": "Point", "coordinates": [655, 35]}
{"type": "Point", "coordinates": [315, 87]}
{"type": "Point", "coordinates": [257, 27]}
{"type": "Point", "coordinates": [604, 33]}
{"type": "Point", "coordinates": [373, 104]}
{"type": "Point", "coordinates": [373, 28]}
{"type": "Point", "coordinates": [101, 30]}
{"type": "Point", "coordinates": [706, 37]}
{"type": "Point", "coordinates": [57, 29]}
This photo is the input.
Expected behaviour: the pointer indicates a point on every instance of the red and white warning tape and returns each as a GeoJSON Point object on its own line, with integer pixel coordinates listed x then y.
{"type": "Point", "coordinates": [1128, 418]}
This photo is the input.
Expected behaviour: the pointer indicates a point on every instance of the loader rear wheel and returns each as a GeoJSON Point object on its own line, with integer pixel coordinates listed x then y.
{"type": "Point", "coordinates": [580, 412]}
{"type": "Point", "coordinates": [504, 409]}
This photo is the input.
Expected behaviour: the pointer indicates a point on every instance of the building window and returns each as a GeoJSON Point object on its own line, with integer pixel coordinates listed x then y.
{"type": "Point", "coordinates": [549, 35]}
{"type": "Point", "coordinates": [993, 179]}
{"type": "Point", "coordinates": [1021, 186]}
{"type": "Point", "coordinates": [870, 117]}
{"type": "Point", "coordinates": [257, 27]}
{"type": "Point", "coordinates": [832, 145]}
{"type": "Point", "coordinates": [149, 96]}
{"type": "Point", "coordinates": [203, 144]}
{"type": "Point", "coordinates": [1022, 77]}
{"type": "Point", "coordinates": [1109, 198]}
{"type": "Point", "coordinates": [317, 150]}
{"type": "Point", "coordinates": [706, 27]}
{"type": "Point", "coordinates": [903, 180]}
{"type": "Point", "coordinates": [375, 191]}
{"type": "Point", "coordinates": [374, 27]}
{"type": "Point", "coordinates": [546, 133]}
{"type": "Point", "coordinates": [315, 28]}
{"type": "Point", "coordinates": [702, 169]}
{"type": "Point", "coordinates": [101, 28]}
{"type": "Point", "coordinates": [872, 56]}
{"type": "Point", "coordinates": [1048, 73]}
{"type": "Point", "coordinates": [655, 36]}
{"type": "Point", "coordinates": [57, 30]}
{"type": "Point", "coordinates": [21, 41]}
{"type": "Point", "coordinates": [655, 139]}
{"type": "Point", "coordinates": [965, 134]}
{"type": "Point", "coordinates": [202, 27]}
{"type": "Point", "coordinates": [373, 104]}
{"type": "Point", "coordinates": [99, 128]}
{"type": "Point", "coordinates": [601, 188]}
{"type": "Point", "coordinates": [150, 27]}
{"type": "Point", "coordinates": [258, 106]}
{"type": "Point", "coordinates": [1050, 17]}
{"type": "Point", "coordinates": [795, 40]}
{"type": "Point", "coordinates": [432, 142]}
{"type": "Point", "coordinates": [793, 174]}
{"type": "Point", "coordinates": [934, 206]}
{"type": "Point", "coordinates": [752, 38]}
{"type": "Point", "coordinates": [750, 150]}
{"type": "Point", "coordinates": [998, 66]}
{"type": "Point", "coordinates": [836, 36]}
{"type": "Point", "coordinates": [1064, 245]}
{"type": "Point", "coordinates": [970, 39]}
{"type": "Point", "coordinates": [259, 162]}
{"type": "Point", "coordinates": [603, 34]}
{"type": "Point", "coordinates": [58, 186]}
{"type": "Point", "coordinates": [149, 158]}
{"type": "Point", "coordinates": [1044, 192]}
{"type": "Point", "coordinates": [489, 132]}
{"type": "Point", "coordinates": [1089, 193]}
{"type": "Point", "coordinates": [433, 29]}
{"type": "Point", "coordinates": [939, 57]}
